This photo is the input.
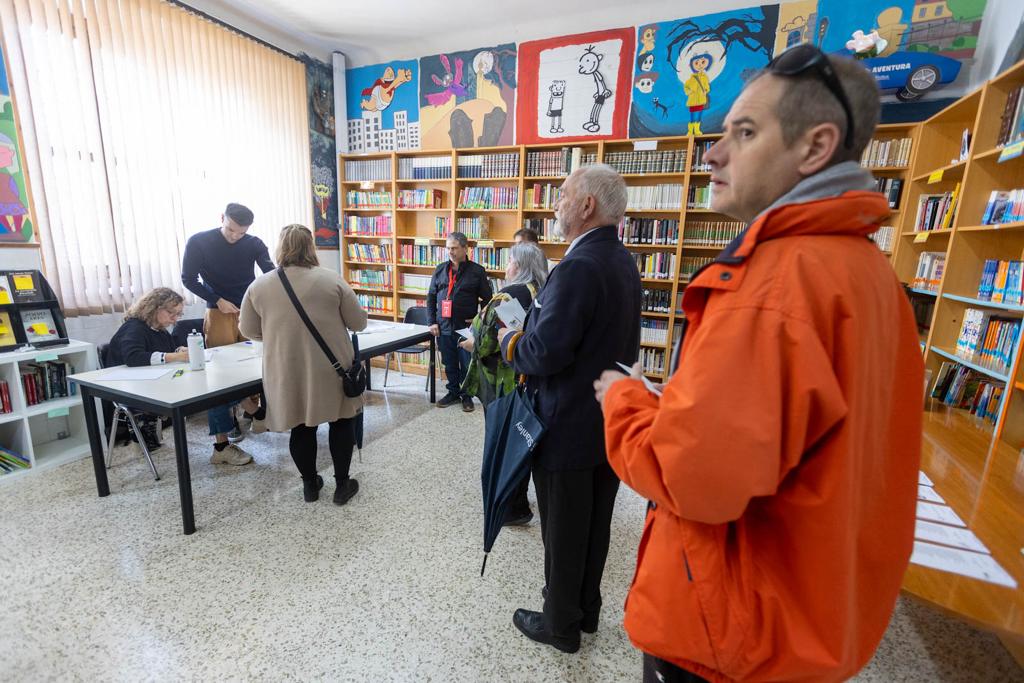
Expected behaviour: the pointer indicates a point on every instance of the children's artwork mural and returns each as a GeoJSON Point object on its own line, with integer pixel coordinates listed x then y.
{"type": "Point", "coordinates": [575, 87]}
{"type": "Point", "coordinates": [323, 151]}
{"type": "Point", "coordinates": [913, 47]}
{"type": "Point", "coordinates": [16, 223]}
{"type": "Point", "coordinates": [383, 106]}
{"type": "Point", "coordinates": [467, 99]}
{"type": "Point", "coordinates": [687, 72]}
{"type": "Point", "coordinates": [797, 24]}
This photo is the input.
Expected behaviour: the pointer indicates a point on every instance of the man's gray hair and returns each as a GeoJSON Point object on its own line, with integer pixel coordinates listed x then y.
{"type": "Point", "coordinates": [533, 264]}
{"type": "Point", "coordinates": [608, 189]}
{"type": "Point", "coordinates": [458, 237]}
{"type": "Point", "coordinates": [806, 102]}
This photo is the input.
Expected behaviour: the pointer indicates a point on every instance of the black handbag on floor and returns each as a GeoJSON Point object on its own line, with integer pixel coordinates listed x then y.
{"type": "Point", "coordinates": [353, 379]}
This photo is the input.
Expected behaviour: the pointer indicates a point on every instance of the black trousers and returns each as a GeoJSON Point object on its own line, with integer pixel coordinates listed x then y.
{"type": "Point", "coordinates": [659, 671]}
{"type": "Point", "coordinates": [575, 521]}
{"type": "Point", "coordinates": [342, 439]}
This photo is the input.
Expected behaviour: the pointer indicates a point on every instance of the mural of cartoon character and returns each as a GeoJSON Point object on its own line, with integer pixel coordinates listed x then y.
{"type": "Point", "coordinates": [452, 84]}
{"type": "Point", "coordinates": [12, 209]}
{"type": "Point", "coordinates": [658, 106]}
{"type": "Point", "coordinates": [698, 90]}
{"type": "Point", "coordinates": [645, 63]}
{"type": "Point", "coordinates": [323, 108]}
{"type": "Point", "coordinates": [645, 83]}
{"type": "Point", "coordinates": [382, 91]}
{"type": "Point", "coordinates": [589, 64]}
{"type": "Point", "coordinates": [647, 34]}
{"type": "Point", "coordinates": [555, 103]}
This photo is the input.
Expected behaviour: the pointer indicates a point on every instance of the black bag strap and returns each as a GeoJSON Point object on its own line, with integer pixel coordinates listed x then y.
{"type": "Point", "coordinates": [312, 328]}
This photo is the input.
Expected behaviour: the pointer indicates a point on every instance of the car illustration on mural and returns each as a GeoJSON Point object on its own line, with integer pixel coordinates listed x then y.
{"type": "Point", "coordinates": [912, 74]}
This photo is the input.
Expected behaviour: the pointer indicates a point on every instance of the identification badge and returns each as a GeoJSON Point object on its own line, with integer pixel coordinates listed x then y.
{"type": "Point", "coordinates": [446, 308]}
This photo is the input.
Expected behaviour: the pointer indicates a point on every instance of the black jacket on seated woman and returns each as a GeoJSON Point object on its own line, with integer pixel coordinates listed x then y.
{"type": "Point", "coordinates": [135, 343]}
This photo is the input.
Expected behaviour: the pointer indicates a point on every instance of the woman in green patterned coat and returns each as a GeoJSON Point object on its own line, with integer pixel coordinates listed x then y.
{"type": "Point", "coordinates": [488, 376]}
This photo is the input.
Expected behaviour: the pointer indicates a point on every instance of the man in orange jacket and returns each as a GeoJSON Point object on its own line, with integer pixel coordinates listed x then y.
{"type": "Point", "coordinates": [781, 459]}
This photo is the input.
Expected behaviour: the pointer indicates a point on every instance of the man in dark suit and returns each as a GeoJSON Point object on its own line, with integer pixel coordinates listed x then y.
{"type": "Point", "coordinates": [585, 320]}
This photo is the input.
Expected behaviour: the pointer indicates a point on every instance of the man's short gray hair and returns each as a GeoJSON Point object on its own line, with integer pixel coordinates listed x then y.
{"type": "Point", "coordinates": [459, 237]}
{"type": "Point", "coordinates": [608, 189]}
{"type": "Point", "coordinates": [533, 264]}
{"type": "Point", "coordinates": [806, 102]}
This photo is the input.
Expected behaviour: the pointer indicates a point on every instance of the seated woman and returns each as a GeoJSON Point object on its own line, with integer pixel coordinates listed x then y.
{"type": "Point", "coordinates": [487, 376]}
{"type": "Point", "coordinates": [299, 381]}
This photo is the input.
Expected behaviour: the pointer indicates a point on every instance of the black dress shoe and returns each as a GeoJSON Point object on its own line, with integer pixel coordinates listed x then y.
{"type": "Point", "coordinates": [518, 519]}
{"type": "Point", "coordinates": [531, 625]}
{"type": "Point", "coordinates": [345, 491]}
{"type": "Point", "coordinates": [467, 404]}
{"type": "Point", "coordinates": [311, 488]}
{"type": "Point", "coordinates": [588, 624]}
{"type": "Point", "coordinates": [448, 400]}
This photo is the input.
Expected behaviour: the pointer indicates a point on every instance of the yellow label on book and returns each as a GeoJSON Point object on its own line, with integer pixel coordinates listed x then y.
{"type": "Point", "coordinates": [43, 357]}
{"type": "Point", "coordinates": [921, 237]}
{"type": "Point", "coordinates": [1011, 151]}
{"type": "Point", "coordinates": [936, 176]}
{"type": "Point", "coordinates": [23, 283]}
{"type": "Point", "coordinates": [57, 412]}
{"type": "Point", "coordinates": [40, 328]}
{"type": "Point", "coordinates": [5, 296]}
{"type": "Point", "coordinates": [485, 243]}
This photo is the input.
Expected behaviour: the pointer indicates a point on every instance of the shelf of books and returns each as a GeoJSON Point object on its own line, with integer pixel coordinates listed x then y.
{"type": "Point", "coordinates": [961, 251]}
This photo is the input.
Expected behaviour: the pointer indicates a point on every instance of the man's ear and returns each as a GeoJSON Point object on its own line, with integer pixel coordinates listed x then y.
{"type": "Point", "coordinates": [820, 143]}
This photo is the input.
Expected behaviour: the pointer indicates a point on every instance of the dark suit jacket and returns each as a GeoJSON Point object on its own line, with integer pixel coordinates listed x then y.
{"type": "Point", "coordinates": [585, 320]}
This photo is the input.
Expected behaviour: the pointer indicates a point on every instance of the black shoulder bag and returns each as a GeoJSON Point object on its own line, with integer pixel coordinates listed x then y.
{"type": "Point", "coordinates": [353, 380]}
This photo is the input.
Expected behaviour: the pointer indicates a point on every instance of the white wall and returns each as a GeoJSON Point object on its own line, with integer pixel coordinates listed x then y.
{"type": "Point", "coordinates": [15, 258]}
{"type": "Point", "coordinates": [1001, 21]}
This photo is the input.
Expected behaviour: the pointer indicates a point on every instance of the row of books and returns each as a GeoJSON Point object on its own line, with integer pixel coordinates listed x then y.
{"type": "Point", "coordinates": [654, 197]}
{"type": "Point", "coordinates": [380, 279]}
{"type": "Point", "coordinates": [930, 266]}
{"type": "Point", "coordinates": [374, 303]}
{"type": "Point", "coordinates": [499, 283]}
{"type": "Point", "coordinates": [935, 211]}
{"type": "Point", "coordinates": [489, 198]}
{"type": "Point", "coordinates": [420, 199]}
{"type": "Point", "coordinates": [649, 231]}
{"type": "Point", "coordinates": [1001, 282]}
{"type": "Point", "coordinates": [422, 254]}
{"type": "Point", "coordinates": [359, 199]}
{"type": "Point", "coordinates": [699, 197]}
{"type": "Point", "coordinates": [657, 266]}
{"type": "Point", "coordinates": [884, 237]}
{"type": "Point", "coordinates": [5, 398]}
{"type": "Point", "coordinates": [1004, 207]}
{"type": "Point", "coordinates": [1011, 123]}
{"type": "Point", "coordinates": [653, 331]}
{"type": "Point", "coordinates": [652, 361]}
{"type": "Point", "coordinates": [425, 168]}
{"type": "Point", "coordinates": [699, 150]}
{"type": "Point", "coordinates": [370, 253]}
{"type": "Point", "coordinates": [554, 162]}
{"type": "Point", "coordinates": [690, 265]}
{"type": "Point", "coordinates": [504, 165]}
{"type": "Point", "coordinates": [473, 227]}
{"type": "Point", "coordinates": [369, 169]}
{"type": "Point", "coordinates": [542, 196]}
{"type": "Point", "coordinates": [12, 461]}
{"type": "Point", "coordinates": [961, 387]}
{"type": "Point", "coordinates": [887, 153]}
{"type": "Point", "coordinates": [891, 188]}
{"type": "Point", "coordinates": [491, 258]}
{"type": "Point", "coordinates": [368, 226]}
{"type": "Point", "coordinates": [544, 227]}
{"type": "Point", "coordinates": [711, 233]}
{"type": "Point", "coordinates": [45, 381]}
{"type": "Point", "coordinates": [414, 282]}
{"type": "Point", "coordinates": [650, 161]}
{"type": "Point", "coordinates": [989, 338]}
{"type": "Point", "coordinates": [655, 300]}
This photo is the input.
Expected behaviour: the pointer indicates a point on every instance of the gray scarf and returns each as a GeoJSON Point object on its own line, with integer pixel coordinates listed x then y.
{"type": "Point", "coordinates": [832, 182]}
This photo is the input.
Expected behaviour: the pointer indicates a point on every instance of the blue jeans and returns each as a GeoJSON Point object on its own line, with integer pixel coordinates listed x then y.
{"type": "Point", "coordinates": [220, 419]}
{"type": "Point", "coordinates": [455, 361]}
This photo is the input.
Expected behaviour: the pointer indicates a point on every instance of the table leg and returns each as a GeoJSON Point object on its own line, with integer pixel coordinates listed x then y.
{"type": "Point", "coordinates": [432, 370]}
{"type": "Point", "coordinates": [188, 519]}
{"type": "Point", "coordinates": [368, 374]}
{"type": "Point", "coordinates": [95, 442]}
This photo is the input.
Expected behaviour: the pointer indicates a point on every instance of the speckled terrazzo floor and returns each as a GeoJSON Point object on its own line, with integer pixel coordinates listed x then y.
{"type": "Point", "coordinates": [386, 588]}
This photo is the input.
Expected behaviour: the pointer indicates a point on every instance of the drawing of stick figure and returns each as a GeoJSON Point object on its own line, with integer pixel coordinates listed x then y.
{"type": "Point", "coordinates": [555, 103]}
{"type": "Point", "coordinates": [589, 63]}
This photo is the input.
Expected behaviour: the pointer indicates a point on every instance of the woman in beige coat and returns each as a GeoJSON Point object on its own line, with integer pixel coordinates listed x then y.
{"type": "Point", "coordinates": [302, 388]}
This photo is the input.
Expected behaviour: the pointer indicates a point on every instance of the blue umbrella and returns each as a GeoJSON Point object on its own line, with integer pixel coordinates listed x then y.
{"type": "Point", "coordinates": [512, 431]}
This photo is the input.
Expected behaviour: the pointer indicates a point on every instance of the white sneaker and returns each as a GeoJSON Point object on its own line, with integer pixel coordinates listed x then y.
{"type": "Point", "coordinates": [258, 426]}
{"type": "Point", "coordinates": [232, 455]}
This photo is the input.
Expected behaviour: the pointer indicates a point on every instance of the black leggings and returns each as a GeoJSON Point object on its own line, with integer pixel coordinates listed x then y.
{"type": "Point", "coordinates": [342, 439]}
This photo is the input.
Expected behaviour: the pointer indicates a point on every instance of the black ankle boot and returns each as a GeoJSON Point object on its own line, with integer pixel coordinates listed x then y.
{"type": "Point", "coordinates": [150, 434]}
{"type": "Point", "coordinates": [311, 488]}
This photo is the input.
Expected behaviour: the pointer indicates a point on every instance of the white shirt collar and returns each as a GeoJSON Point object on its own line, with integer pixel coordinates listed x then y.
{"type": "Point", "coordinates": [578, 239]}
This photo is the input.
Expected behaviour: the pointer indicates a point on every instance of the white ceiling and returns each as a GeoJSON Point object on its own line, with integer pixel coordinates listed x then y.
{"type": "Point", "coordinates": [373, 31]}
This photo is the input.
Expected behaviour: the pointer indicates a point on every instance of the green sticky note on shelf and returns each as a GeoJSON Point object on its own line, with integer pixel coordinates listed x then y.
{"type": "Point", "coordinates": [921, 237]}
{"type": "Point", "coordinates": [1011, 151]}
{"type": "Point", "coordinates": [43, 357]}
{"type": "Point", "coordinates": [936, 176]}
{"type": "Point", "coordinates": [57, 412]}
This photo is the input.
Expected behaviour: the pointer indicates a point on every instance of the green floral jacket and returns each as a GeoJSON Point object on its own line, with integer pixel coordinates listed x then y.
{"type": "Point", "coordinates": [488, 376]}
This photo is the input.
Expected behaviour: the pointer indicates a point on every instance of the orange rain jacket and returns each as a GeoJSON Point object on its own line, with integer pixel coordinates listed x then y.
{"type": "Point", "coordinates": [781, 460]}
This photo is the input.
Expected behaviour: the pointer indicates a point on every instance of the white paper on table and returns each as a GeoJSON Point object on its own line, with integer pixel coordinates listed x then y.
{"type": "Point", "coordinates": [948, 535]}
{"type": "Point", "coordinates": [647, 383]}
{"type": "Point", "coordinates": [962, 562]}
{"type": "Point", "coordinates": [373, 327]}
{"type": "Point", "coordinates": [511, 313]}
{"type": "Point", "coordinates": [929, 494]}
{"type": "Point", "coordinates": [938, 513]}
{"type": "Point", "coordinates": [465, 332]}
{"type": "Point", "coordinates": [923, 479]}
{"type": "Point", "coordinates": [147, 372]}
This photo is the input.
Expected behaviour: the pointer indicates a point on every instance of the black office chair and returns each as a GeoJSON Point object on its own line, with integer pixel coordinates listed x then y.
{"type": "Point", "coordinates": [183, 328]}
{"type": "Point", "coordinates": [122, 414]}
{"type": "Point", "coordinates": [416, 315]}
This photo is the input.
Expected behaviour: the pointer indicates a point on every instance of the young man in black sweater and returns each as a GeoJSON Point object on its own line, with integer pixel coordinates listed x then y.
{"type": "Point", "coordinates": [225, 258]}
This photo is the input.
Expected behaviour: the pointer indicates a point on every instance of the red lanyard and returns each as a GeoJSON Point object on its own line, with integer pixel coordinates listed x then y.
{"type": "Point", "coordinates": [451, 281]}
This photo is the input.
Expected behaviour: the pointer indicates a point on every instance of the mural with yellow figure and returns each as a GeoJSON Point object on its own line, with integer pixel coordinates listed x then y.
{"type": "Point", "coordinates": [467, 98]}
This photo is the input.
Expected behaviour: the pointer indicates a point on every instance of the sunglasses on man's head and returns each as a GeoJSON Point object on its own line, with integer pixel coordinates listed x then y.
{"type": "Point", "coordinates": [800, 59]}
